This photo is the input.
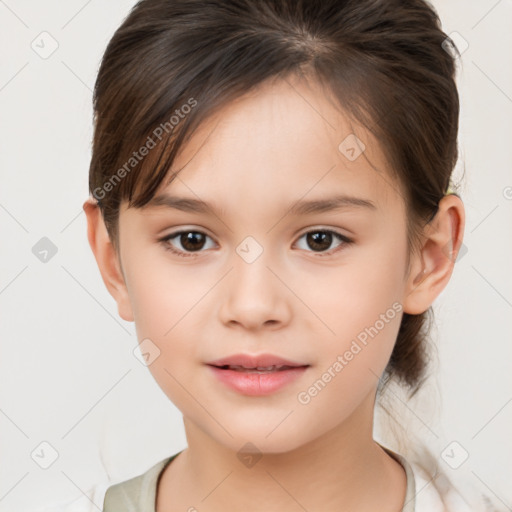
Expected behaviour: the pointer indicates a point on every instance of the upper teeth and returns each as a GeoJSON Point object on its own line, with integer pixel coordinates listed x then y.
{"type": "Point", "coordinates": [259, 368]}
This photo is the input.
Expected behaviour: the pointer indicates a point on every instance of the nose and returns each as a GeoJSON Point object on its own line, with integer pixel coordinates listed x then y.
{"type": "Point", "coordinates": [253, 297]}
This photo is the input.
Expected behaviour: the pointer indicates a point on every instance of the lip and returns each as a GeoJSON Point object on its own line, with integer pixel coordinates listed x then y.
{"type": "Point", "coordinates": [252, 382]}
{"type": "Point", "coordinates": [253, 361]}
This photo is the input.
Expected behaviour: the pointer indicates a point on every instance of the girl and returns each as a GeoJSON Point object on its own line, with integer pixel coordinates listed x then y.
{"type": "Point", "coordinates": [270, 205]}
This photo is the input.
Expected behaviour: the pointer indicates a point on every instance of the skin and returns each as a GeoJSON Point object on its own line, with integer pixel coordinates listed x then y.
{"type": "Point", "coordinates": [258, 155]}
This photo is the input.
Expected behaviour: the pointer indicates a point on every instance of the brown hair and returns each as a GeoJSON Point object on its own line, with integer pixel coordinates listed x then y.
{"type": "Point", "coordinates": [172, 63]}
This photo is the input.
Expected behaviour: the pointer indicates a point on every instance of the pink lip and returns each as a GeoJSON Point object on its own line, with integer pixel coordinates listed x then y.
{"type": "Point", "coordinates": [252, 361]}
{"type": "Point", "coordinates": [250, 381]}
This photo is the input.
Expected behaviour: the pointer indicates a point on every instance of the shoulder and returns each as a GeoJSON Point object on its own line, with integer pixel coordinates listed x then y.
{"type": "Point", "coordinates": [437, 494]}
{"type": "Point", "coordinates": [139, 491]}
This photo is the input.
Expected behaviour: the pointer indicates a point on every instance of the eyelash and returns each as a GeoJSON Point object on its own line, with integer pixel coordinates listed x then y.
{"type": "Point", "coordinates": [169, 247]}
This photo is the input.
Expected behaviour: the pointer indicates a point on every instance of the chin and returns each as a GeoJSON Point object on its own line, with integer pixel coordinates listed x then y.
{"type": "Point", "coordinates": [255, 439]}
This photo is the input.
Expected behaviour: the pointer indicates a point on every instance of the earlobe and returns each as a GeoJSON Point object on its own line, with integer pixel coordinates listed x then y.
{"type": "Point", "coordinates": [432, 266]}
{"type": "Point", "coordinates": [107, 259]}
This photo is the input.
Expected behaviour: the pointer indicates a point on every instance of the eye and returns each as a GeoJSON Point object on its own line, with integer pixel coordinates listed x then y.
{"type": "Point", "coordinates": [191, 241]}
{"type": "Point", "coordinates": [320, 240]}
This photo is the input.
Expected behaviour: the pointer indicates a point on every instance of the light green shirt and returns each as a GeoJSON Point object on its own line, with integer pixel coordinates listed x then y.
{"type": "Point", "coordinates": [139, 493]}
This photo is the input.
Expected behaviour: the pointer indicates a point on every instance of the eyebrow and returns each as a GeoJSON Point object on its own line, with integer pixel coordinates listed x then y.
{"type": "Point", "coordinates": [301, 207]}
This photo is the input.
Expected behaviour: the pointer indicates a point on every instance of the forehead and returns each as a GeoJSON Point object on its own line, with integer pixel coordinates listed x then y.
{"type": "Point", "coordinates": [288, 138]}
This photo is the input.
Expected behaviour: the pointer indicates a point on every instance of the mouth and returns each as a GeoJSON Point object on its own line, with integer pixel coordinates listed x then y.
{"type": "Point", "coordinates": [256, 375]}
{"type": "Point", "coordinates": [258, 362]}
{"type": "Point", "coordinates": [258, 369]}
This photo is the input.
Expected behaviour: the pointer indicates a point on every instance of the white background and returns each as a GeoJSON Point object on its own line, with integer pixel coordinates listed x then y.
{"type": "Point", "coordinates": [68, 373]}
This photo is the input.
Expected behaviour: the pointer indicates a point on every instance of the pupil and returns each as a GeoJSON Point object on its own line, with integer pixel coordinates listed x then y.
{"type": "Point", "coordinates": [320, 240]}
{"type": "Point", "coordinates": [189, 240]}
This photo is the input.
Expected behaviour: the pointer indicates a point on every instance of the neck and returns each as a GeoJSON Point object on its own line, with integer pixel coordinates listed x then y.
{"type": "Point", "coordinates": [344, 469]}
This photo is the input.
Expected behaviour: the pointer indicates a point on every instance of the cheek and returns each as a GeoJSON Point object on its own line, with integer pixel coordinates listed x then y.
{"type": "Point", "coordinates": [165, 313]}
{"type": "Point", "coordinates": [359, 305]}
{"type": "Point", "coordinates": [164, 296]}
{"type": "Point", "coordinates": [350, 363]}
{"type": "Point", "coordinates": [353, 296]}
{"type": "Point", "coordinates": [170, 305]}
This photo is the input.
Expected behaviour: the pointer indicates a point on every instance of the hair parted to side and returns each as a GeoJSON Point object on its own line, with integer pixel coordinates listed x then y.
{"type": "Point", "coordinates": [173, 63]}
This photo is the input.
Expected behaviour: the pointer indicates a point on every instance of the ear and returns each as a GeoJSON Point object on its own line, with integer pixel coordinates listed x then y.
{"type": "Point", "coordinates": [432, 267]}
{"type": "Point", "coordinates": [107, 259]}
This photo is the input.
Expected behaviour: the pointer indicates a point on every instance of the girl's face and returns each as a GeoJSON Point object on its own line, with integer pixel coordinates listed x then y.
{"type": "Point", "coordinates": [274, 263]}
